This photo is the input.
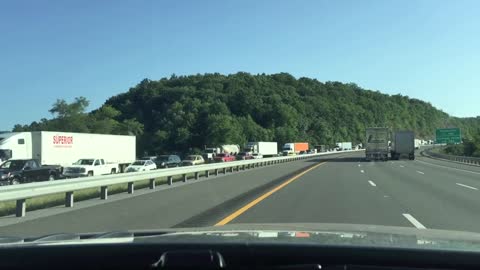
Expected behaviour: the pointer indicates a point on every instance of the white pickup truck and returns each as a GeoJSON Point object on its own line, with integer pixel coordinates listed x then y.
{"type": "Point", "coordinates": [90, 167]}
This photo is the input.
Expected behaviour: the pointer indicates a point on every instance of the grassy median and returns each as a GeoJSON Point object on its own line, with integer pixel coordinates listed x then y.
{"type": "Point", "coordinates": [8, 207]}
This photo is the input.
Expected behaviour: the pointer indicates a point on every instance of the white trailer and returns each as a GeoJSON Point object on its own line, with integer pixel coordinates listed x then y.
{"type": "Point", "coordinates": [344, 146]}
{"type": "Point", "coordinates": [418, 143]}
{"type": "Point", "coordinates": [65, 148]}
{"type": "Point", "coordinates": [403, 145]}
{"type": "Point", "coordinates": [266, 149]}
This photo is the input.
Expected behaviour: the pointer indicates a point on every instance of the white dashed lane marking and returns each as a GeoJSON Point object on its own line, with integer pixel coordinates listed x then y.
{"type": "Point", "coordinates": [465, 186]}
{"type": "Point", "coordinates": [414, 221]}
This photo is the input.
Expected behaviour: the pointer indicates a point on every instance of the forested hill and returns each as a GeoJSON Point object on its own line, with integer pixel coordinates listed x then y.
{"type": "Point", "coordinates": [185, 113]}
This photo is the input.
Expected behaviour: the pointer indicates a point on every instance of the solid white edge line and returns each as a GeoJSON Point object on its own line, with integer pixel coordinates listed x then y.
{"type": "Point", "coordinates": [420, 172]}
{"type": "Point", "coordinates": [446, 167]}
{"type": "Point", "coordinates": [372, 183]}
{"type": "Point", "coordinates": [414, 221]}
{"type": "Point", "coordinates": [462, 185]}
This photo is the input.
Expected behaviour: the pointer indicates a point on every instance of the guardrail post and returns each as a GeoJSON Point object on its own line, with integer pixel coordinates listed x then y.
{"type": "Point", "coordinates": [170, 180]}
{"type": "Point", "coordinates": [131, 187]}
{"type": "Point", "coordinates": [69, 199]}
{"type": "Point", "coordinates": [216, 172]}
{"type": "Point", "coordinates": [238, 168]}
{"type": "Point", "coordinates": [225, 170]}
{"type": "Point", "coordinates": [152, 183]}
{"type": "Point", "coordinates": [243, 167]}
{"type": "Point", "coordinates": [104, 192]}
{"type": "Point", "coordinates": [207, 173]}
{"type": "Point", "coordinates": [184, 177]}
{"type": "Point", "coordinates": [21, 208]}
{"type": "Point", "coordinates": [196, 175]}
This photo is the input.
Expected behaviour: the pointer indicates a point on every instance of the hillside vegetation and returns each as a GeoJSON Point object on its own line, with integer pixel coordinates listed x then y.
{"type": "Point", "coordinates": [185, 113]}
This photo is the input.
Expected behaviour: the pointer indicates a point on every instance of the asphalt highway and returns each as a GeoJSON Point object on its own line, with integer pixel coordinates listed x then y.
{"type": "Point", "coordinates": [339, 188]}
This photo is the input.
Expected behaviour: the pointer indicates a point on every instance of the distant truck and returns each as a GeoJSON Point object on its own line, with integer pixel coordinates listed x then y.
{"type": "Point", "coordinates": [343, 146]}
{"type": "Point", "coordinates": [320, 148]}
{"type": "Point", "coordinates": [294, 148]}
{"type": "Point", "coordinates": [403, 144]}
{"type": "Point", "coordinates": [212, 152]}
{"type": "Point", "coordinates": [90, 167]}
{"type": "Point", "coordinates": [417, 143]}
{"type": "Point", "coordinates": [65, 148]}
{"type": "Point", "coordinates": [376, 147]}
{"type": "Point", "coordinates": [18, 171]}
{"type": "Point", "coordinates": [266, 149]}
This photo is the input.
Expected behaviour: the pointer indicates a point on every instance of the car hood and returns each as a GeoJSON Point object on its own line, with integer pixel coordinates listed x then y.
{"type": "Point", "coordinates": [294, 233]}
{"type": "Point", "coordinates": [331, 234]}
{"type": "Point", "coordinates": [136, 166]}
{"type": "Point", "coordinates": [78, 166]}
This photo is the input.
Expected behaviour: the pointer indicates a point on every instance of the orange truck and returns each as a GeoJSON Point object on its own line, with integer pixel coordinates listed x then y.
{"type": "Point", "coordinates": [290, 149]}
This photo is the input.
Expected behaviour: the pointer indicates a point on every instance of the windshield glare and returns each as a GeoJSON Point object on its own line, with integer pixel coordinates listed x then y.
{"type": "Point", "coordinates": [12, 165]}
{"type": "Point", "coordinates": [84, 162]}
{"type": "Point", "coordinates": [139, 163]}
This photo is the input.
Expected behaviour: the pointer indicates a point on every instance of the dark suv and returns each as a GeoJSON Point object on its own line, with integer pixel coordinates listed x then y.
{"type": "Point", "coordinates": [168, 161]}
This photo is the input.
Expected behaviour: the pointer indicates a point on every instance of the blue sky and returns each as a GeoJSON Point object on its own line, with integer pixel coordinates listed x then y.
{"type": "Point", "coordinates": [425, 49]}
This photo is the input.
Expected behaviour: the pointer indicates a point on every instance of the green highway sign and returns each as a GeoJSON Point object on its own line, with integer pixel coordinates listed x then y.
{"type": "Point", "coordinates": [448, 135]}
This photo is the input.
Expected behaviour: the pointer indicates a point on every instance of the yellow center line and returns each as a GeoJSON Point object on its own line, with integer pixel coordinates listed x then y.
{"type": "Point", "coordinates": [264, 196]}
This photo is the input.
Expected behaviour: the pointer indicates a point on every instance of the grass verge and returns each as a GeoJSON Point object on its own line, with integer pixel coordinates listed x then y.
{"type": "Point", "coordinates": [52, 200]}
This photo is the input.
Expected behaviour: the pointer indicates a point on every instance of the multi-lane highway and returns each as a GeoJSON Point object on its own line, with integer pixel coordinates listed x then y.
{"type": "Point", "coordinates": [340, 188]}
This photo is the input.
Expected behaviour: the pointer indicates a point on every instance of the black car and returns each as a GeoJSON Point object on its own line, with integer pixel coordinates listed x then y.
{"type": "Point", "coordinates": [168, 161]}
{"type": "Point", "coordinates": [17, 171]}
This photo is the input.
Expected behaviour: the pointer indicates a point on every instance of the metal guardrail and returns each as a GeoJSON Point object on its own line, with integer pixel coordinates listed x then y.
{"type": "Point", "coordinates": [461, 159]}
{"type": "Point", "coordinates": [20, 193]}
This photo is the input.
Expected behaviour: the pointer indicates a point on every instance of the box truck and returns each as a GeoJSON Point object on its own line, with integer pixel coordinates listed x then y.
{"type": "Point", "coordinates": [266, 149]}
{"type": "Point", "coordinates": [403, 144]}
{"type": "Point", "coordinates": [294, 148]}
{"type": "Point", "coordinates": [377, 143]}
{"type": "Point", "coordinates": [66, 148]}
{"type": "Point", "coordinates": [211, 152]}
{"type": "Point", "coordinates": [343, 146]}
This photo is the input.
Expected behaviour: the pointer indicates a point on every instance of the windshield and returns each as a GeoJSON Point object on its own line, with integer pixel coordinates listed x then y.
{"type": "Point", "coordinates": [139, 163]}
{"type": "Point", "coordinates": [84, 162]}
{"type": "Point", "coordinates": [13, 165]}
{"type": "Point", "coordinates": [196, 87]}
{"type": "Point", "coordinates": [5, 154]}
